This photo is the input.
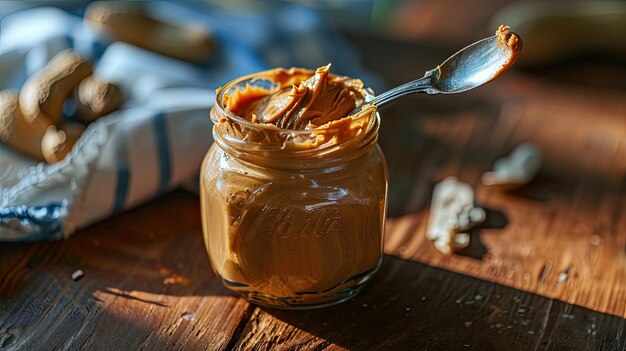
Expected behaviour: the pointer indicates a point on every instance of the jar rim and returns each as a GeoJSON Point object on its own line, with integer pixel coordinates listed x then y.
{"type": "Point", "coordinates": [269, 141]}
{"type": "Point", "coordinates": [219, 99]}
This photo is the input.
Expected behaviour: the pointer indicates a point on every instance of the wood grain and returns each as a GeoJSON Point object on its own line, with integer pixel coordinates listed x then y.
{"type": "Point", "coordinates": [147, 285]}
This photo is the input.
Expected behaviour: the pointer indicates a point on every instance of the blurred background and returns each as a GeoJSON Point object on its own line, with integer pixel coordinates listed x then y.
{"type": "Point", "coordinates": [558, 34]}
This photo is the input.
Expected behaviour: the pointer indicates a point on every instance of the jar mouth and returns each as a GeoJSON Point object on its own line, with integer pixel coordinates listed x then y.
{"type": "Point", "coordinates": [269, 141]}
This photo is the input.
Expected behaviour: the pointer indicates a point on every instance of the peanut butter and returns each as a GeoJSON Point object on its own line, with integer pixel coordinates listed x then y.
{"type": "Point", "coordinates": [513, 42]}
{"type": "Point", "coordinates": [308, 104]}
{"type": "Point", "coordinates": [294, 190]}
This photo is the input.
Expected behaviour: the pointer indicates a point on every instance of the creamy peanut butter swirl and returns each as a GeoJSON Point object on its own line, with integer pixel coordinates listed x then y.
{"type": "Point", "coordinates": [305, 99]}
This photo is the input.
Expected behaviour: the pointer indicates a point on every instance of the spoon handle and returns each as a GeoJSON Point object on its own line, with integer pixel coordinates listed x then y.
{"type": "Point", "coordinates": [419, 85]}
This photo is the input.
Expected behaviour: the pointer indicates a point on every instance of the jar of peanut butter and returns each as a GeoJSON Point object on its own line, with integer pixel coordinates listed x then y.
{"type": "Point", "coordinates": [293, 192]}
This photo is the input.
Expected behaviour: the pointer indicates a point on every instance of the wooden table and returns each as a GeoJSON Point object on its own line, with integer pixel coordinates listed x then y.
{"type": "Point", "coordinates": [549, 273]}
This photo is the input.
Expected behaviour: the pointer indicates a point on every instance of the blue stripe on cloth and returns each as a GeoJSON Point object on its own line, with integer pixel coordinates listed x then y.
{"type": "Point", "coordinates": [123, 172]}
{"type": "Point", "coordinates": [162, 144]}
{"type": "Point", "coordinates": [123, 175]}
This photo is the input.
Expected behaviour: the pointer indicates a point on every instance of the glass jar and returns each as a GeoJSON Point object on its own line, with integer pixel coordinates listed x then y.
{"type": "Point", "coordinates": [292, 218]}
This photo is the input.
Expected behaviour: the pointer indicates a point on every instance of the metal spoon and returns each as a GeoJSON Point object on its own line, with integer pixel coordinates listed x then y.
{"type": "Point", "coordinates": [471, 67]}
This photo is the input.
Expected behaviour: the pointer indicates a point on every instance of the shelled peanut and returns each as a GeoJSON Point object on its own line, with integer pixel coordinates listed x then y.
{"type": "Point", "coordinates": [34, 140]}
{"type": "Point", "coordinates": [57, 142]}
{"type": "Point", "coordinates": [96, 98]}
{"type": "Point", "coordinates": [31, 121]}
{"type": "Point", "coordinates": [43, 94]}
{"type": "Point", "coordinates": [16, 131]}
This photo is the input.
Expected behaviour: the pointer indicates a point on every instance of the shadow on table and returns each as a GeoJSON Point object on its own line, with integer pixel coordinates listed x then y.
{"type": "Point", "coordinates": [495, 219]}
{"type": "Point", "coordinates": [410, 305]}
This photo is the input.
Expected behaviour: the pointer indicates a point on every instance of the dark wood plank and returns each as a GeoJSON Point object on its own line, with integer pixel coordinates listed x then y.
{"type": "Point", "coordinates": [147, 285]}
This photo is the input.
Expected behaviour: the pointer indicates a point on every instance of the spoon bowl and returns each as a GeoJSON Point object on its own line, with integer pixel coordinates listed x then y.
{"type": "Point", "coordinates": [471, 67]}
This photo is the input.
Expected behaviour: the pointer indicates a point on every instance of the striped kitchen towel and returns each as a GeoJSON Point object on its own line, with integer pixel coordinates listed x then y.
{"type": "Point", "coordinates": [156, 141]}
